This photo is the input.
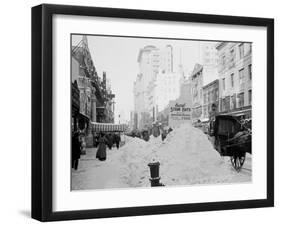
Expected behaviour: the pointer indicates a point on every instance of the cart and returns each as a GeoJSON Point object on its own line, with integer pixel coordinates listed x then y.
{"type": "Point", "coordinates": [232, 137]}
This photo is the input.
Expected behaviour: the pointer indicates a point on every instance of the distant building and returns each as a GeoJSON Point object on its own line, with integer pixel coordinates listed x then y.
{"type": "Point", "coordinates": [139, 101]}
{"type": "Point", "coordinates": [184, 98]}
{"type": "Point", "coordinates": [105, 107]}
{"type": "Point", "coordinates": [203, 74]}
{"type": "Point", "coordinates": [235, 76]}
{"type": "Point", "coordinates": [167, 88]}
{"type": "Point", "coordinates": [185, 91]}
{"type": "Point", "coordinates": [131, 122]}
{"type": "Point", "coordinates": [208, 55]}
{"type": "Point", "coordinates": [197, 92]}
{"type": "Point", "coordinates": [153, 62]}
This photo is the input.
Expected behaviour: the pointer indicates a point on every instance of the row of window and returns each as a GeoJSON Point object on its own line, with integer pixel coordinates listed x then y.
{"type": "Point", "coordinates": [241, 97]}
{"type": "Point", "coordinates": [211, 96]}
{"type": "Point", "coordinates": [241, 77]}
{"type": "Point", "coordinates": [242, 48]}
{"type": "Point", "coordinates": [232, 102]}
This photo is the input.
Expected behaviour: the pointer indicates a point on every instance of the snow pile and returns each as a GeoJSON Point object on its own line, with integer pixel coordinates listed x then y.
{"type": "Point", "coordinates": [186, 157]}
{"type": "Point", "coordinates": [133, 158]}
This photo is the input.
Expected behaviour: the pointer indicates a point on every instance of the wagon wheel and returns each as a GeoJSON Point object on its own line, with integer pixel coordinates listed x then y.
{"type": "Point", "coordinates": [237, 161]}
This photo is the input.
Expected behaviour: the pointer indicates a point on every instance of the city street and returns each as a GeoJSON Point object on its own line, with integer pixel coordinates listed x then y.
{"type": "Point", "coordinates": [186, 158]}
{"type": "Point", "coordinates": [175, 89]}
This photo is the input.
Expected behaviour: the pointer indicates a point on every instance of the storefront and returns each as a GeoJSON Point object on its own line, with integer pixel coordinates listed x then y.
{"type": "Point", "coordinates": [75, 105]}
{"type": "Point", "coordinates": [243, 112]}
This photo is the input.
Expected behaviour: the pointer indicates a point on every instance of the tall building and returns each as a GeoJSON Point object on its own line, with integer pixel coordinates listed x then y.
{"type": "Point", "coordinates": [167, 88]}
{"type": "Point", "coordinates": [153, 62]}
{"type": "Point", "coordinates": [139, 101]}
{"type": "Point", "coordinates": [132, 120]}
{"type": "Point", "coordinates": [208, 55]}
{"type": "Point", "coordinates": [235, 76]}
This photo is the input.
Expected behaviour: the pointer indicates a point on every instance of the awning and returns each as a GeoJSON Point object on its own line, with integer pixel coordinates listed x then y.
{"type": "Point", "coordinates": [238, 113]}
{"type": "Point", "coordinates": [108, 127]}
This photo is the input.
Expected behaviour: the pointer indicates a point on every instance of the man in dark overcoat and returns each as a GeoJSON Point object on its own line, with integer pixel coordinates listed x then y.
{"type": "Point", "coordinates": [117, 140]}
{"type": "Point", "coordinates": [109, 138]}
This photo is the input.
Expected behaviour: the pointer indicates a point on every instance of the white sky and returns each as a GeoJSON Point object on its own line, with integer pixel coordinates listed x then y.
{"type": "Point", "coordinates": [117, 56]}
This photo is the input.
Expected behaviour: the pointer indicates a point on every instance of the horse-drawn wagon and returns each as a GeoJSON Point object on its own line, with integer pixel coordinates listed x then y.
{"type": "Point", "coordinates": [232, 136]}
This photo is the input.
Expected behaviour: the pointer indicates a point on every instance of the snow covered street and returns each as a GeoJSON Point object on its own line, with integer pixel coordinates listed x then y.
{"type": "Point", "coordinates": [186, 158]}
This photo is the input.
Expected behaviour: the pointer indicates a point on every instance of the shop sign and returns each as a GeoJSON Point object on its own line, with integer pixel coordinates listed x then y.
{"type": "Point", "coordinates": [179, 113]}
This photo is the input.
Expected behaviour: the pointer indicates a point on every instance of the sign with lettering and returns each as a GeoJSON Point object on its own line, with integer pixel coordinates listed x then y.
{"type": "Point", "coordinates": [179, 113]}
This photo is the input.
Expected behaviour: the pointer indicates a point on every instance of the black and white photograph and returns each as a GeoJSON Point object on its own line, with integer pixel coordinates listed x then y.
{"type": "Point", "coordinates": [159, 112]}
{"type": "Point", "coordinates": [136, 113]}
{"type": "Point", "coordinates": [145, 112]}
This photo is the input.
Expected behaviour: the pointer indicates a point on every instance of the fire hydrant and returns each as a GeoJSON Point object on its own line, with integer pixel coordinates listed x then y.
{"type": "Point", "coordinates": [154, 174]}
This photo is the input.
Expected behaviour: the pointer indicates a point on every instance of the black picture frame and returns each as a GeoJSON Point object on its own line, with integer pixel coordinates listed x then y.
{"type": "Point", "coordinates": [42, 107]}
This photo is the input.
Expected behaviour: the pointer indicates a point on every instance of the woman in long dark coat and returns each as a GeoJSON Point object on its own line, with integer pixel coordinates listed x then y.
{"type": "Point", "coordinates": [101, 153]}
{"type": "Point", "coordinates": [76, 150]}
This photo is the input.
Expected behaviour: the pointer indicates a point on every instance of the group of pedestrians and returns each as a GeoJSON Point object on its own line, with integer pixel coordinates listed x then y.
{"type": "Point", "coordinates": [104, 141]}
{"type": "Point", "coordinates": [156, 130]}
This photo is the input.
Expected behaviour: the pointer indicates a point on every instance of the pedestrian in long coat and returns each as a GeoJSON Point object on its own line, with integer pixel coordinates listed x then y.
{"type": "Point", "coordinates": [101, 152]}
{"type": "Point", "coordinates": [76, 150]}
{"type": "Point", "coordinates": [155, 130]}
{"type": "Point", "coordinates": [164, 134]}
{"type": "Point", "coordinates": [117, 140]}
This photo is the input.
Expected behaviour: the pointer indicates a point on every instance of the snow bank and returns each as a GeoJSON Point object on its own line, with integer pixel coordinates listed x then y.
{"type": "Point", "coordinates": [133, 158]}
{"type": "Point", "coordinates": [186, 157]}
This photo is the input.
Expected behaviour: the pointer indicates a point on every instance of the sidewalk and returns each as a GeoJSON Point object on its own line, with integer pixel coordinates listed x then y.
{"type": "Point", "coordinates": [95, 174]}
